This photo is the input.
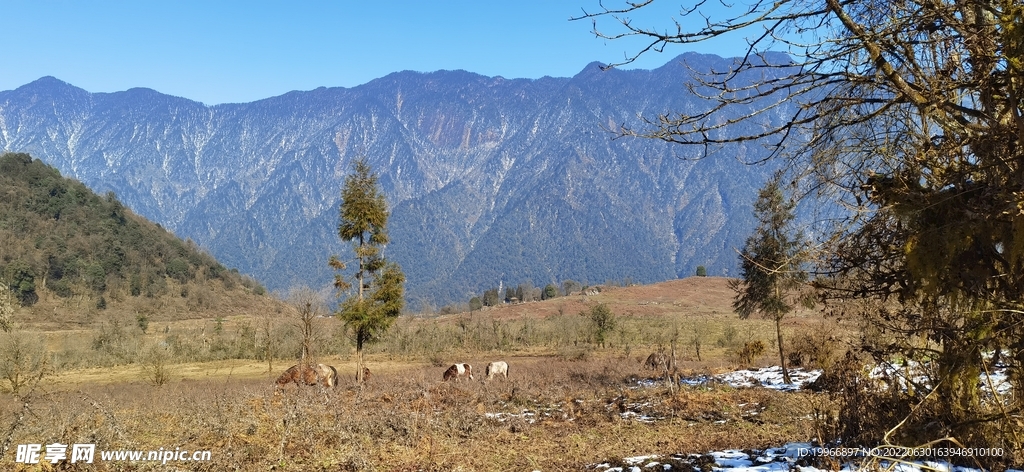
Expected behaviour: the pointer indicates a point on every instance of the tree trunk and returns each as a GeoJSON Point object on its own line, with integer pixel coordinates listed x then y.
{"type": "Point", "coordinates": [359, 360]}
{"type": "Point", "coordinates": [782, 352]}
{"type": "Point", "coordinates": [671, 368]}
{"type": "Point", "coordinates": [359, 275]}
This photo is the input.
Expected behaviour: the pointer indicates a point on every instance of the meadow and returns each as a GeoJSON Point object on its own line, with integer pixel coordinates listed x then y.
{"type": "Point", "coordinates": [568, 404]}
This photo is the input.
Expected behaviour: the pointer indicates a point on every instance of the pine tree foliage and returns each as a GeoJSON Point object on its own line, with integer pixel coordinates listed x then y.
{"type": "Point", "coordinates": [379, 284]}
{"type": "Point", "coordinates": [771, 263]}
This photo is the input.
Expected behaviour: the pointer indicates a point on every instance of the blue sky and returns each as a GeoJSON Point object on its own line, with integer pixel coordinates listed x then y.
{"type": "Point", "coordinates": [231, 51]}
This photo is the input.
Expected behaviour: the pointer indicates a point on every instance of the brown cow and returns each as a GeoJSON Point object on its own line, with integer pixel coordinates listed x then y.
{"type": "Point", "coordinates": [458, 371]}
{"type": "Point", "coordinates": [656, 361]}
{"type": "Point", "coordinates": [304, 374]}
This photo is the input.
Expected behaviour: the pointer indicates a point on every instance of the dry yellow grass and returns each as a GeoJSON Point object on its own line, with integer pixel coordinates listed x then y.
{"type": "Point", "coordinates": [565, 406]}
{"type": "Point", "coordinates": [555, 415]}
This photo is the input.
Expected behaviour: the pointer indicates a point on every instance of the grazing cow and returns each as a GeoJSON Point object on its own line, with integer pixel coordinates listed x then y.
{"type": "Point", "coordinates": [304, 374]}
{"type": "Point", "coordinates": [458, 371]}
{"type": "Point", "coordinates": [495, 369]}
{"type": "Point", "coordinates": [656, 361]}
{"type": "Point", "coordinates": [366, 374]}
{"type": "Point", "coordinates": [328, 375]}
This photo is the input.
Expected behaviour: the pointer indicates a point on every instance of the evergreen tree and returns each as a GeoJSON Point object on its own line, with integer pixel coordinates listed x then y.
{"type": "Point", "coordinates": [369, 312]}
{"type": "Point", "coordinates": [23, 284]}
{"type": "Point", "coordinates": [491, 297]}
{"type": "Point", "coordinates": [771, 263]}
{"type": "Point", "coordinates": [550, 291]}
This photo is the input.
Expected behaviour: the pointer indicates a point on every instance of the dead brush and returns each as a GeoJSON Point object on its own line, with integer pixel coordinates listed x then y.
{"type": "Point", "coordinates": [557, 416]}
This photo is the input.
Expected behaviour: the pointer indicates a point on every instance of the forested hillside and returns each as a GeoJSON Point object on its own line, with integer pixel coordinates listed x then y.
{"type": "Point", "coordinates": [63, 242]}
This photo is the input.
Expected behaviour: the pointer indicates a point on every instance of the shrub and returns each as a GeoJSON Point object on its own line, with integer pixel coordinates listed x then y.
{"type": "Point", "coordinates": [728, 337]}
{"type": "Point", "coordinates": [22, 358]}
{"type": "Point", "coordinates": [155, 362]}
{"type": "Point", "coordinates": [60, 287]}
{"type": "Point", "coordinates": [603, 322]}
{"type": "Point", "coordinates": [750, 351]}
{"type": "Point", "coordinates": [816, 348]}
{"type": "Point", "coordinates": [550, 291]}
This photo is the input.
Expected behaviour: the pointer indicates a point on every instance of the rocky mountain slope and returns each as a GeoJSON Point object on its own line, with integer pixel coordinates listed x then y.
{"type": "Point", "coordinates": [490, 179]}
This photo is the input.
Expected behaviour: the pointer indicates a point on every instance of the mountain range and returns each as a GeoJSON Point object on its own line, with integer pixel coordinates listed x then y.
{"type": "Point", "coordinates": [490, 180]}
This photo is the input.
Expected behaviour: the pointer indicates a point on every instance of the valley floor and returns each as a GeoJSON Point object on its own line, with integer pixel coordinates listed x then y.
{"type": "Point", "coordinates": [551, 414]}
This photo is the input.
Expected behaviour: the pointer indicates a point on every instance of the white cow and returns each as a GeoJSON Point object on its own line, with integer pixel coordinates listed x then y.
{"type": "Point", "coordinates": [496, 368]}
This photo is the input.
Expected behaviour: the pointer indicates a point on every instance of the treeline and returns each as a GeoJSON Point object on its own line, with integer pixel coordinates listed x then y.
{"type": "Point", "coordinates": [526, 292]}
{"type": "Point", "coordinates": [60, 235]}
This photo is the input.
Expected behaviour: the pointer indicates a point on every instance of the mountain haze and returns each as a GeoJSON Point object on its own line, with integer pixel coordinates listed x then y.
{"type": "Point", "coordinates": [489, 179]}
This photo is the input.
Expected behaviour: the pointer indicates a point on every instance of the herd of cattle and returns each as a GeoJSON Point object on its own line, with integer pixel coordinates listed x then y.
{"type": "Point", "coordinates": [327, 376]}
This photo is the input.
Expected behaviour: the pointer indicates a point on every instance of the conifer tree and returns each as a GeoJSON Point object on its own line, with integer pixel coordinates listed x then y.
{"type": "Point", "coordinates": [377, 298]}
{"type": "Point", "coordinates": [770, 263]}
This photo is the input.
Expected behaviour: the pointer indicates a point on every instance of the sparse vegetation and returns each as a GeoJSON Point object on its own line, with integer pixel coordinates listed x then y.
{"type": "Point", "coordinates": [406, 418]}
{"type": "Point", "coordinates": [566, 415]}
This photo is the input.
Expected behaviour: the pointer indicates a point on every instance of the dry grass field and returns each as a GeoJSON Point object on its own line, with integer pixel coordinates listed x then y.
{"type": "Point", "coordinates": [550, 414]}
{"type": "Point", "coordinates": [566, 405]}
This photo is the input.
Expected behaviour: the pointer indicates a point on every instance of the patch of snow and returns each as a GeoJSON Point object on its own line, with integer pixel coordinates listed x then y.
{"type": "Point", "coordinates": [914, 374]}
{"type": "Point", "coordinates": [770, 377]}
{"type": "Point", "coordinates": [777, 459]}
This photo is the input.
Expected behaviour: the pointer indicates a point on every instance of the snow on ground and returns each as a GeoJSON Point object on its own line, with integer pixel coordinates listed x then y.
{"type": "Point", "coordinates": [911, 372]}
{"type": "Point", "coordinates": [791, 457]}
{"type": "Point", "coordinates": [771, 377]}
{"type": "Point", "coordinates": [768, 377]}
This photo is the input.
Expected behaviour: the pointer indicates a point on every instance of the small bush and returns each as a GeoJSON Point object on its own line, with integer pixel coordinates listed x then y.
{"type": "Point", "coordinates": [750, 351]}
{"type": "Point", "coordinates": [728, 337]}
{"type": "Point", "coordinates": [22, 358]}
{"type": "Point", "coordinates": [60, 287]}
{"type": "Point", "coordinates": [155, 365]}
{"type": "Point", "coordinates": [816, 348]}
